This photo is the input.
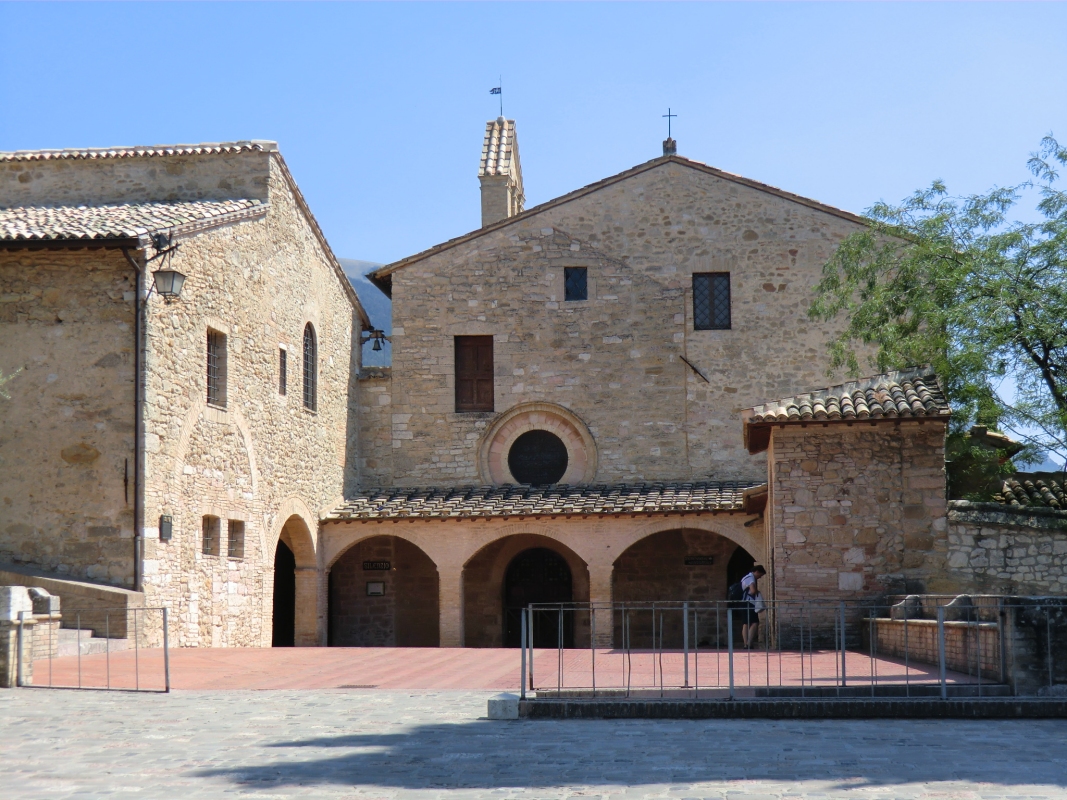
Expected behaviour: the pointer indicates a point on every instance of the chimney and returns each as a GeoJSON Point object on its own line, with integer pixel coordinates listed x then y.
{"type": "Point", "coordinates": [670, 147]}
{"type": "Point", "coordinates": [500, 173]}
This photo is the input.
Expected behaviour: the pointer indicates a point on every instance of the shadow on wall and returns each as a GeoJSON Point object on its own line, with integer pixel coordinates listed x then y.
{"type": "Point", "coordinates": [832, 754]}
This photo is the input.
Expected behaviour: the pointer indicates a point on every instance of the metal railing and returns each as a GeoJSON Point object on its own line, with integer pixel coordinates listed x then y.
{"type": "Point", "coordinates": [129, 667]}
{"type": "Point", "coordinates": [990, 646]}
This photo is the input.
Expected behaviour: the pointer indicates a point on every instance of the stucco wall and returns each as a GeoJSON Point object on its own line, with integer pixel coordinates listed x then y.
{"type": "Point", "coordinates": [67, 433]}
{"type": "Point", "coordinates": [615, 359]}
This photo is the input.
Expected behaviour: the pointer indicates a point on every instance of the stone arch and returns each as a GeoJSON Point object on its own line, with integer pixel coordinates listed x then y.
{"type": "Point", "coordinates": [404, 614]}
{"type": "Point", "coordinates": [483, 586]}
{"type": "Point", "coordinates": [296, 531]}
{"type": "Point", "coordinates": [680, 563]}
{"type": "Point", "coordinates": [510, 425]}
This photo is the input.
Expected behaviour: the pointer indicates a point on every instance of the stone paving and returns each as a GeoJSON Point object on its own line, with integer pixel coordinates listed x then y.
{"type": "Point", "coordinates": [369, 744]}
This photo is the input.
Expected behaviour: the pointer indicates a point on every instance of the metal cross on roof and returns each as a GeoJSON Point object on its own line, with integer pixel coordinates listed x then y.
{"type": "Point", "coordinates": [669, 115]}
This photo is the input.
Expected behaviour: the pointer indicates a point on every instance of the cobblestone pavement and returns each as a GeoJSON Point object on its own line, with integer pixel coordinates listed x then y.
{"type": "Point", "coordinates": [391, 744]}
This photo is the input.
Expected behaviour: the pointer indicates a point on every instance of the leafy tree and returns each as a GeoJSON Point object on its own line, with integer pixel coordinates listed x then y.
{"type": "Point", "coordinates": [956, 283]}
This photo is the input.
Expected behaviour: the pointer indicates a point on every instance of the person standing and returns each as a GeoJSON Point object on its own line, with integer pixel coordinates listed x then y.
{"type": "Point", "coordinates": [753, 607]}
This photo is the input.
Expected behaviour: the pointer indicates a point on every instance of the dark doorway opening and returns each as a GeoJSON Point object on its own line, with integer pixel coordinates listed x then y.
{"type": "Point", "coordinates": [284, 633]}
{"type": "Point", "coordinates": [739, 566]}
{"type": "Point", "coordinates": [538, 575]}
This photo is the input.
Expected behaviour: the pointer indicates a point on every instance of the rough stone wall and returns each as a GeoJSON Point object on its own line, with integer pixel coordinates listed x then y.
{"type": "Point", "coordinates": [67, 433]}
{"type": "Point", "coordinates": [615, 359]}
{"type": "Point", "coordinates": [998, 549]}
{"type": "Point", "coordinates": [857, 510]}
{"type": "Point", "coordinates": [967, 645]}
{"type": "Point", "coordinates": [264, 455]}
{"type": "Point", "coordinates": [375, 427]}
{"type": "Point", "coordinates": [127, 180]}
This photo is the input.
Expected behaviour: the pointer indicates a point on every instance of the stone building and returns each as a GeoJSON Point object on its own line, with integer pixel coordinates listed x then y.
{"type": "Point", "coordinates": [180, 447]}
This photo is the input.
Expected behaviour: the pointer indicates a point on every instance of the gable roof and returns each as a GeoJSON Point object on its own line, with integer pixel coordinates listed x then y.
{"type": "Point", "coordinates": [77, 222]}
{"type": "Point", "coordinates": [902, 394]}
{"type": "Point", "coordinates": [130, 223]}
{"type": "Point", "coordinates": [380, 277]}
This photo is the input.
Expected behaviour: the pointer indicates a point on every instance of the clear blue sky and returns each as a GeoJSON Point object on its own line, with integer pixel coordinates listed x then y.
{"type": "Point", "coordinates": [379, 109]}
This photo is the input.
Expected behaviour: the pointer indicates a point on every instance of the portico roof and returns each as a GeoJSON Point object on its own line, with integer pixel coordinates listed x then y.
{"type": "Point", "coordinates": [477, 502]}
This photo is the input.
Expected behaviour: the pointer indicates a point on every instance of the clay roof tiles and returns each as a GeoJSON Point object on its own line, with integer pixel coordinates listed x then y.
{"type": "Point", "coordinates": [498, 147]}
{"type": "Point", "coordinates": [141, 151]}
{"type": "Point", "coordinates": [904, 393]}
{"type": "Point", "coordinates": [1045, 490]}
{"type": "Point", "coordinates": [529, 501]}
{"type": "Point", "coordinates": [126, 221]}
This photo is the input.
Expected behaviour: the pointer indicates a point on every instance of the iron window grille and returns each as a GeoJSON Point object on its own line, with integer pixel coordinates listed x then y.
{"type": "Point", "coordinates": [211, 530]}
{"type": "Point", "coordinates": [311, 361]}
{"type": "Point", "coordinates": [283, 370]}
{"type": "Point", "coordinates": [575, 283]}
{"type": "Point", "coordinates": [711, 301]}
{"type": "Point", "coordinates": [216, 368]}
{"type": "Point", "coordinates": [236, 539]}
{"type": "Point", "coordinates": [474, 373]}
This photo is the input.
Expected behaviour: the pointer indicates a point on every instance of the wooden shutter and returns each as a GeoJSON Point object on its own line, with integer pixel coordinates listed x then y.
{"type": "Point", "coordinates": [474, 373]}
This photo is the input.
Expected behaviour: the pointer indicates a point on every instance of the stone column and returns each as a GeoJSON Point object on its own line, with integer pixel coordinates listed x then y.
{"type": "Point", "coordinates": [306, 624]}
{"type": "Point", "coordinates": [15, 603]}
{"type": "Point", "coordinates": [600, 592]}
{"type": "Point", "coordinates": [450, 604]}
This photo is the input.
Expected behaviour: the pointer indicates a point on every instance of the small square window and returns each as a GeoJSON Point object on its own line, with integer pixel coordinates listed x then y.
{"type": "Point", "coordinates": [216, 368]}
{"type": "Point", "coordinates": [283, 370]}
{"type": "Point", "coordinates": [575, 283]}
{"type": "Point", "coordinates": [236, 543]}
{"type": "Point", "coordinates": [211, 529]}
{"type": "Point", "coordinates": [711, 301]}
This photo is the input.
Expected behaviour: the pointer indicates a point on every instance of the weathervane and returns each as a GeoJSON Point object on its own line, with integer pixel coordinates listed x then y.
{"type": "Point", "coordinates": [499, 89]}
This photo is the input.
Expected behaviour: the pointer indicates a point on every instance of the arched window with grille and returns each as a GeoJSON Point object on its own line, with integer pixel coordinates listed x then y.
{"type": "Point", "coordinates": [311, 374]}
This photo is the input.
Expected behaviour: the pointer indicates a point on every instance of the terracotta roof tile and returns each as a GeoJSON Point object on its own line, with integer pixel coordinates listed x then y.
{"type": "Point", "coordinates": [528, 501]}
{"type": "Point", "coordinates": [498, 147]}
{"type": "Point", "coordinates": [127, 221]}
{"type": "Point", "coordinates": [904, 393]}
{"type": "Point", "coordinates": [1043, 489]}
{"type": "Point", "coordinates": [205, 148]}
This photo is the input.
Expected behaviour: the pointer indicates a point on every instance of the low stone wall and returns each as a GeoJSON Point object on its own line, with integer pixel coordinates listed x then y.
{"type": "Point", "coordinates": [966, 644]}
{"type": "Point", "coordinates": [1006, 549]}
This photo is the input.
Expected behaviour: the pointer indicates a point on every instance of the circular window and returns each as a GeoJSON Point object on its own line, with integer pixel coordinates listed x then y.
{"type": "Point", "coordinates": [538, 457]}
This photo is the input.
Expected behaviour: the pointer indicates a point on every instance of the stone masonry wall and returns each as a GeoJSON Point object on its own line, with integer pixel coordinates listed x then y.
{"type": "Point", "coordinates": [67, 433]}
{"type": "Point", "coordinates": [375, 426]}
{"type": "Point", "coordinates": [615, 360]}
{"type": "Point", "coordinates": [857, 510]}
{"type": "Point", "coordinates": [1004, 550]}
{"type": "Point", "coordinates": [264, 456]}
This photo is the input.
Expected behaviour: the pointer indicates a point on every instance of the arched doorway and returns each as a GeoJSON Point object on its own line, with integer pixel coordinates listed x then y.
{"type": "Point", "coordinates": [384, 592]}
{"type": "Point", "coordinates": [740, 564]}
{"type": "Point", "coordinates": [538, 575]}
{"type": "Point", "coordinates": [284, 630]}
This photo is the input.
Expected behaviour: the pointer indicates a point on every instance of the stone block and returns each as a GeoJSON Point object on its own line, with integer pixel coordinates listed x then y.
{"type": "Point", "coordinates": [504, 706]}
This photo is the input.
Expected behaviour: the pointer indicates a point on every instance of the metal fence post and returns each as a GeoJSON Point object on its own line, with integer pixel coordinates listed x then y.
{"type": "Point", "coordinates": [166, 653]}
{"type": "Point", "coordinates": [685, 640]}
{"type": "Point", "coordinates": [844, 679]}
{"type": "Point", "coordinates": [530, 632]}
{"type": "Point", "coordinates": [730, 644]}
{"type": "Point", "coordinates": [592, 642]}
{"type": "Point", "coordinates": [18, 644]}
{"type": "Point", "coordinates": [941, 650]}
{"type": "Point", "coordinates": [522, 669]}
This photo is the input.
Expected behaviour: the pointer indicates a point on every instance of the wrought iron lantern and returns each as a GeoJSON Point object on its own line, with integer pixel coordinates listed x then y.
{"type": "Point", "coordinates": [168, 283]}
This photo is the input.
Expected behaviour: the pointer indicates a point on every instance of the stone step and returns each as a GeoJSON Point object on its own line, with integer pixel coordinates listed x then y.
{"type": "Point", "coordinates": [70, 642]}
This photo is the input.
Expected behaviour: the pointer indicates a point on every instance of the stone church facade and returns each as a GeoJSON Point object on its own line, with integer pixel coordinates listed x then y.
{"type": "Point", "coordinates": [592, 400]}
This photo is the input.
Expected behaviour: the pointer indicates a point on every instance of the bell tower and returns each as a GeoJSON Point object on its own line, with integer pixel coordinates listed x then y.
{"type": "Point", "coordinates": [500, 172]}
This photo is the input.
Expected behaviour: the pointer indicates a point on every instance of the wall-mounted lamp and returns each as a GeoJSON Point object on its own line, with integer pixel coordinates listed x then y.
{"type": "Point", "coordinates": [168, 283]}
{"type": "Point", "coordinates": [377, 336]}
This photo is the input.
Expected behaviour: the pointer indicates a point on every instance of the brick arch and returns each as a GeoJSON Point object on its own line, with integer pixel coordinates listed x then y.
{"type": "Point", "coordinates": [483, 579]}
{"type": "Point", "coordinates": [508, 426]}
{"type": "Point", "coordinates": [295, 525]}
{"type": "Point", "coordinates": [729, 527]}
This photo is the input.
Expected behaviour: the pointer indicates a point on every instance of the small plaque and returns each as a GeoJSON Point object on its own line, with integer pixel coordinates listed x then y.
{"type": "Point", "coordinates": [377, 566]}
{"type": "Point", "coordinates": [375, 588]}
{"type": "Point", "coordinates": [699, 561]}
{"type": "Point", "coordinates": [166, 528]}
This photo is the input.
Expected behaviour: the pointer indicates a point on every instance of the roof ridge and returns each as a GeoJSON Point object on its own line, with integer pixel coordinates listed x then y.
{"type": "Point", "coordinates": [141, 151]}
